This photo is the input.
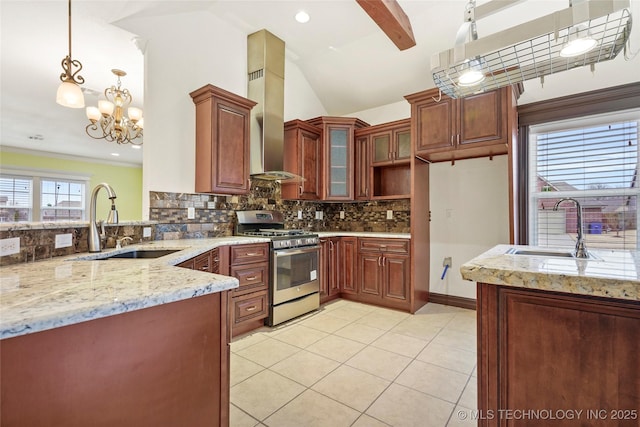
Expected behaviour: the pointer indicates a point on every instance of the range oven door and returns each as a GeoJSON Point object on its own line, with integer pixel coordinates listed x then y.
{"type": "Point", "coordinates": [295, 273]}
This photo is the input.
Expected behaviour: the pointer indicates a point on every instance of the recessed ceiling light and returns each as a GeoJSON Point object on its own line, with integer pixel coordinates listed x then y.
{"type": "Point", "coordinates": [302, 17]}
{"type": "Point", "coordinates": [115, 154]}
{"type": "Point", "coordinates": [136, 147]}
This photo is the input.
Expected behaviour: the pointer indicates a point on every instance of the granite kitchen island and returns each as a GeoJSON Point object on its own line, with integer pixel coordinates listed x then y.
{"type": "Point", "coordinates": [558, 338]}
{"type": "Point", "coordinates": [127, 342]}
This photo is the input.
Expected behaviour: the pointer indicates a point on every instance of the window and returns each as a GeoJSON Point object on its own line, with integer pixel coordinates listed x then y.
{"type": "Point", "coordinates": [595, 161]}
{"type": "Point", "coordinates": [15, 198]}
{"type": "Point", "coordinates": [41, 196]}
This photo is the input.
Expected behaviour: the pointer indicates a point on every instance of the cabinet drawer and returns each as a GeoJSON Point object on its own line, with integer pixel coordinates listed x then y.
{"type": "Point", "coordinates": [203, 262]}
{"type": "Point", "coordinates": [398, 246]}
{"type": "Point", "coordinates": [250, 276]}
{"type": "Point", "coordinates": [250, 306]}
{"type": "Point", "coordinates": [243, 254]}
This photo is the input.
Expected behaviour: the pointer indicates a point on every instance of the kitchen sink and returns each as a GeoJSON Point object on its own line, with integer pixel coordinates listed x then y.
{"type": "Point", "coordinates": [538, 252]}
{"type": "Point", "coordinates": [141, 253]}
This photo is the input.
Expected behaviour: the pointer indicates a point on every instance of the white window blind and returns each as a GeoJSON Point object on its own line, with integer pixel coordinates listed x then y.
{"type": "Point", "coordinates": [16, 195]}
{"type": "Point", "coordinates": [595, 161]}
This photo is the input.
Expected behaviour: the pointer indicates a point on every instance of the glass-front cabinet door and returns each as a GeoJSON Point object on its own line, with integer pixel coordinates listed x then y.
{"type": "Point", "coordinates": [402, 144]}
{"type": "Point", "coordinates": [381, 148]}
{"type": "Point", "coordinates": [339, 175]}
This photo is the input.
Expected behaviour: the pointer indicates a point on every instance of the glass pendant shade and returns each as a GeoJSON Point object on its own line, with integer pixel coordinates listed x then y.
{"type": "Point", "coordinates": [93, 114]}
{"type": "Point", "coordinates": [135, 114]}
{"type": "Point", "coordinates": [70, 95]}
{"type": "Point", "coordinates": [106, 107]}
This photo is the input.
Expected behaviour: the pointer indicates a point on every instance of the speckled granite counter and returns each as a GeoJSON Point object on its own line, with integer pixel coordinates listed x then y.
{"type": "Point", "coordinates": [67, 290]}
{"type": "Point", "coordinates": [383, 235]}
{"type": "Point", "coordinates": [611, 274]}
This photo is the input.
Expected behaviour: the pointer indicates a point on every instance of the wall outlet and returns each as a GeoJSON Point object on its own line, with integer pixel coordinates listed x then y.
{"type": "Point", "coordinates": [146, 232]}
{"type": "Point", "coordinates": [191, 212]}
{"type": "Point", "coordinates": [63, 240]}
{"type": "Point", "coordinates": [389, 214]}
{"type": "Point", "coordinates": [299, 214]}
{"type": "Point", "coordinates": [446, 261]}
{"type": "Point", "coordinates": [319, 215]}
{"type": "Point", "coordinates": [9, 246]}
{"type": "Point", "coordinates": [341, 214]}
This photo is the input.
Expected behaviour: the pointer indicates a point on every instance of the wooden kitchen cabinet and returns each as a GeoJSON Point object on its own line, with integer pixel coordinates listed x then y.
{"type": "Point", "coordinates": [208, 262]}
{"type": "Point", "coordinates": [338, 155]}
{"type": "Point", "coordinates": [250, 301]}
{"type": "Point", "coordinates": [384, 170]}
{"type": "Point", "coordinates": [338, 267]}
{"type": "Point", "coordinates": [383, 271]}
{"type": "Point", "coordinates": [479, 125]}
{"type": "Point", "coordinates": [222, 163]}
{"type": "Point", "coordinates": [540, 350]}
{"type": "Point", "coordinates": [303, 157]}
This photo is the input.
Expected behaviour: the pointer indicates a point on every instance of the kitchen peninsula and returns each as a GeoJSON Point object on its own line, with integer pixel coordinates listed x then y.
{"type": "Point", "coordinates": [128, 342]}
{"type": "Point", "coordinates": [557, 334]}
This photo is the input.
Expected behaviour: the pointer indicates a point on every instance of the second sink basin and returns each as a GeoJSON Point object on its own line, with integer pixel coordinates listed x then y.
{"type": "Point", "coordinates": [142, 253]}
{"type": "Point", "coordinates": [538, 252]}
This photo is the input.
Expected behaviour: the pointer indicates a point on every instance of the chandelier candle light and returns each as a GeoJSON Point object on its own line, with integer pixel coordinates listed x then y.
{"type": "Point", "coordinates": [69, 93]}
{"type": "Point", "coordinates": [108, 120]}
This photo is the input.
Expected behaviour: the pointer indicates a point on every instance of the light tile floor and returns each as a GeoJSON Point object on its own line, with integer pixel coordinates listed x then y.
{"type": "Point", "coordinates": [351, 364]}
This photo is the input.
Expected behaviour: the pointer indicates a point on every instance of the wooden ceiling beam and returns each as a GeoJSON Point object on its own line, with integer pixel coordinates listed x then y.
{"type": "Point", "coordinates": [392, 20]}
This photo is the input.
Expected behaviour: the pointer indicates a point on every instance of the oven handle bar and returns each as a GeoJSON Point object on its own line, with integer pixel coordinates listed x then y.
{"type": "Point", "coordinates": [296, 251]}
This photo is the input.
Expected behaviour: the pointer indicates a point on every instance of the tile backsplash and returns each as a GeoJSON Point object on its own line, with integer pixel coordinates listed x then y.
{"type": "Point", "coordinates": [215, 215]}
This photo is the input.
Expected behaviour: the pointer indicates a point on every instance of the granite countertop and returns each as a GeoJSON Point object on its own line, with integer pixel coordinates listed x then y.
{"type": "Point", "coordinates": [17, 226]}
{"type": "Point", "coordinates": [380, 234]}
{"type": "Point", "coordinates": [609, 274]}
{"type": "Point", "coordinates": [67, 290]}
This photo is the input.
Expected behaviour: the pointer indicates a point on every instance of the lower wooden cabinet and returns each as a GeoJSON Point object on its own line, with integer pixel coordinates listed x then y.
{"type": "Point", "coordinates": [559, 353]}
{"type": "Point", "coordinates": [208, 262]}
{"type": "Point", "coordinates": [383, 272]}
{"type": "Point", "coordinates": [337, 263]}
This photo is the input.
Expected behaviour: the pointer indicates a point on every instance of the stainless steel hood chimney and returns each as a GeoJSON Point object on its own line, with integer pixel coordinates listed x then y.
{"type": "Point", "coordinates": [265, 66]}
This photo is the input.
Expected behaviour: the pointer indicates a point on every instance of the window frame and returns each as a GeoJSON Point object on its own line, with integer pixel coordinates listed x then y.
{"type": "Point", "coordinates": [37, 176]}
{"type": "Point", "coordinates": [608, 100]}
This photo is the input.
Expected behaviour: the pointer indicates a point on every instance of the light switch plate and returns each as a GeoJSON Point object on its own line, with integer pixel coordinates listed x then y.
{"type": "Point", "coordinates": [299, 214]}
{"type": "Point", "coordinates": [389, 214]}
{"type": "Point", "coordinates": [319, 215]}
{"type": "Point", "coordinates": [341, 214]}
{"type": "Point", "coordinates": [146, 232]}
{"type": "Point", "coordinates": [9, 246]}
{"type": "Point", "coordinates": [63, 240]}
{"type": "Point", "coordinates": [191, 212]}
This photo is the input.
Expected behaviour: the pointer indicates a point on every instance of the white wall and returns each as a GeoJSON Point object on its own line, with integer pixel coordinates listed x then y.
{"type": "Point", "coordinates": [182, 55]}
{"type": "Point", "coordinates": [386, 113]}
{"type": "Point", "coordinates": [469, 214]}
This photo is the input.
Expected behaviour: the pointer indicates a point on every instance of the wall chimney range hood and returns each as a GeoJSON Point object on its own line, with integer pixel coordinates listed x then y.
{"type": "Point", "coordinates": [265, 67]}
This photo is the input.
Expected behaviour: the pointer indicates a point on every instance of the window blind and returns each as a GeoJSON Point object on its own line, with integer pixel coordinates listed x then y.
{"type": "Point", "coordinates": [595, 161]}
{"type": "Point", "coordinates": [15, 198]}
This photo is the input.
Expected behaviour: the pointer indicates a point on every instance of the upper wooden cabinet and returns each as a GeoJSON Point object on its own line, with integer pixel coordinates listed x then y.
{"type": "Point", "coordinates": [479, 125]}
{"type": "Point", "coordinates": [222, 141]}
{"type": "Point", "coordinates": [302, 156]}
{"type": "Point", "coordinates": [383, 161]}
{"type": "Point", "coordinates": [337, 155]}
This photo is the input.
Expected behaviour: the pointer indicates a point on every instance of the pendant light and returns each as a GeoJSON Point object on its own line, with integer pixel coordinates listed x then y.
{"type": "Point", "coordinates": [69, 93]}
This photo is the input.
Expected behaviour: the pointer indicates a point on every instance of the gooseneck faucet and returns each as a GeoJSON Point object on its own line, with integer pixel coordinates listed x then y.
{"type": "Point", "coordinates": [581, 249]}
{"type": "Point", "coordinates": [96, 238]}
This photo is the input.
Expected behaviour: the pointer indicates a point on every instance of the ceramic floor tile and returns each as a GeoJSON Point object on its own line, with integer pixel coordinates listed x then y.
{"type": "Point", "coordinates": [300, 335]}
{"type": "Point", "coordinates": [354, 388]}
{"type": "Point", "coordinates": [456, 339]}
{"type": "Point", "coordinates": [367, 421]}
{"type": "Point", "coordinates": [440, 308]}
{"type": "Point", "coordinates": [305, 367]}
{"type": "Point", "coordinates": [245, 341]}
{"type": "Point", "coordinates": [359, 332]}
{"type": "Point", "coordinates": [325, 323]}
{"type": "Point", "coordinates": [463, 323]}
{"type": "Point", "coordinates": [403, 407]}
{"type": "Point", "coordinates": [242, 368]}
{"type": "Point", "coordinates": [312, 409]}
{"type": "Point", "coordinates": [417, 329]}
{"type": "Point", "coordinates": [434, 380]}
{"type": "Point", "coordinates": [448, 357]}
{"type": "Point", "coordinates": [381, 363]}
{"type": "Point", "coordinates": [401, 344]}
{"type": "Point", "coordinates": [380, 319]}
{"type": "Point", "coordinates": [268, 352]}
{"type": "Point", "coordinates": [336, 348]}
{"type": "Point", "coordinates": [348, 312]}
{"type": "Point", "coordinates": [469, 398]}
{"type": "Point", "coordinates": [264, 393]}
{"type": "Point", "coordinates": [463, 417]}
{"type": "Point", "coordinates": [238, 418]}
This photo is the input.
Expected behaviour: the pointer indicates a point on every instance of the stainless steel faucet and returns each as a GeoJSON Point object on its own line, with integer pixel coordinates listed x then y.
{"type": "Point", "coordinates": [95, 238]}
{"type": "Point", "coordinates": [581, 249]}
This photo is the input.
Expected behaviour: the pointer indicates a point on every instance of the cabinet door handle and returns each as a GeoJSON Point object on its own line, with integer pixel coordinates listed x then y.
{"type": "Point", "coordinates": [252, 254]}
{"type": "Point", "coordinates": [204, 268]}
{"type": "Point", "coordinates": [330, 245]}
{"type": "Point", "coordinates": [253, 307]}
{"type": "Point", "coordinates": [384, 260]}
{"type": "Point", "coordinates": [458, 139]}
{"type": "Point", "coordinates": [216, 260]}
{"type": "Point", "coordinates": [300, 189]}
{"type": "Point", "coordinates": [251, 278]}
{"type": "Point", "coordinates": [379, 260]}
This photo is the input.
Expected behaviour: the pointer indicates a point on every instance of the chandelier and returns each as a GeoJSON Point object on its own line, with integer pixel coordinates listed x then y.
{"type": "Point", "coordinates": [108, 121]}
{"type": "Point", "coordinates": [69, 93]}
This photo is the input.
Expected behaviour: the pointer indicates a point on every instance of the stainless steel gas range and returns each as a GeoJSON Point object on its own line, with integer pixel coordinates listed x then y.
{"type": "Point", "coordinates": [294, 284]}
